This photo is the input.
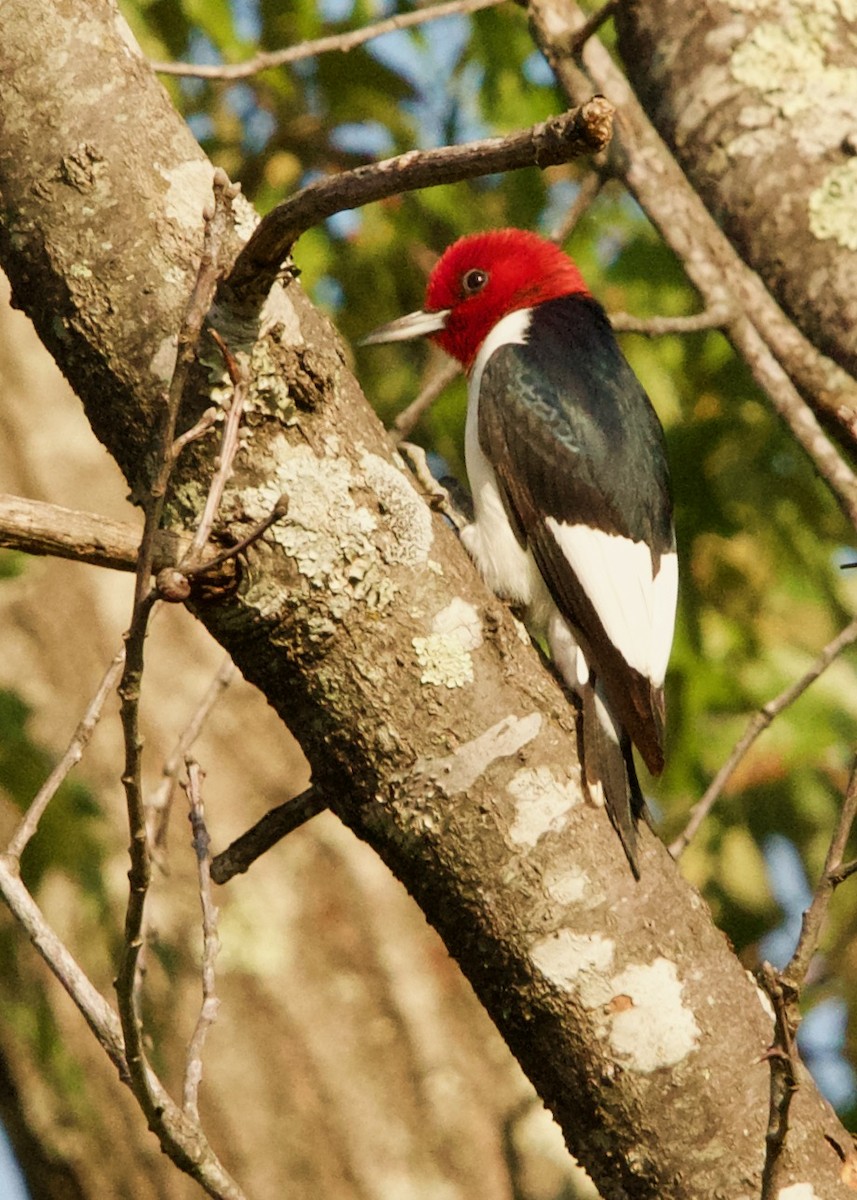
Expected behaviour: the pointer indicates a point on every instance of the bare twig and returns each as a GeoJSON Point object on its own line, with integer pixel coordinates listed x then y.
{"type": "Point", "coordinates": [584, 130]}
{"type": "Point", "coordinates": [784, 1066]}
{"type": "Point", "coordinates": [409, 417]}
{"type": "Point", "coordinates": [181, 1138]}
{"type": "Point", "coordinates": [590, 186]}
{"type": "Point", "coordinates": [225, 459]}
{"type": "Point", "coordinates": [72, 756]}
{"type": "Point", "coordinates": [757, 725]}
{"type": "Point", "coordinates": [715, 317]}
{"type": "Point", "coordinates": [160, 804]}
{"type": "Point", "coordinates": [210, 943]}
{"type": "Point", "coordinates": [815, 916]}
{"type": "Point", "coordinates": [337, 42]}
{"type": "Point", "coordinates": [267, 831]}
{"type": "Point", "coordinates": [217, 224]}
{"type": "Point", "coordinates": [591, 26]}
{"type": "Point", "coordinates": [784, 988]}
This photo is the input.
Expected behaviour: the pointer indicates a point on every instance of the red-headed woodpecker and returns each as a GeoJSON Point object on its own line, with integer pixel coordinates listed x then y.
{"type": "Point", "coordinates": [566, 459]}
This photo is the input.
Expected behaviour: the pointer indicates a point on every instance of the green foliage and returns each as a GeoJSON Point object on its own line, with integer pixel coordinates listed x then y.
{"type": "Point", "coordinates": [758, 532]}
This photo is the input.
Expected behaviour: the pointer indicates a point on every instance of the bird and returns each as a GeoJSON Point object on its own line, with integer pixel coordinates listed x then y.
{"type": "Point", "coordinates": [567, 465]}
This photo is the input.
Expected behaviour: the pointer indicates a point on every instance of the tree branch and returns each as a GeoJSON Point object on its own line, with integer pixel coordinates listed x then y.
{"type": "Point", "coordinates": [584, 130]}
{"type": "Point", "coordinates": [784, 988]}
{"type": "Point", "coordinates": [760, 722]}
{"type": "Point", "coordinates": [48, 529]}
{"type": "Point", "coordinates": [336, 42]}
{"type": "Point", "coordinates": [210, 943]}
{"type": "Point", "coordinates": [789, 369]}
{"type": "Point", "coordinates": [267, 831]}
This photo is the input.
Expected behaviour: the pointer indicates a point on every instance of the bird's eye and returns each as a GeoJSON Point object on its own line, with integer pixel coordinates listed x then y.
{"type": "Point", "coordinates": [473, 281]}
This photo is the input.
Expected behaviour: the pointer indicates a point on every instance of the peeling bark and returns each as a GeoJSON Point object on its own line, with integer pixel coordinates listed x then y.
{"type": "Point", "coordinates": [443, 743]}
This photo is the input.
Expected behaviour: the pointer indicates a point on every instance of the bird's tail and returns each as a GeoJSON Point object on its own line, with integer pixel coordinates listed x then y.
{"type": "Point", "coordinates": [608, 765]}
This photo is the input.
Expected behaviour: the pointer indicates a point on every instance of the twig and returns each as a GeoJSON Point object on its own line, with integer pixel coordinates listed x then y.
{"type": "Point", "coordinates": [160, 804]}
{"type": "Point", "coordinates": [97, 1013]}
{"type": "Point", "coordinates": [280, 510]}
{"type": "Point", "coordinates": [784, 1064]}
{"type": "Point", "coordinates": [225, 459]}
{"type": "Point", "coordinates": [210, 944]}
{"type": "Point", "coordinates": [591, 27]}
{"type": "Point", "coordinates": [815, 916]}
{"type": "Point", "coordinates": [181, 1139]}
{"type": "Point", "coordinates": [584, 130]}
{"type": "Point", "coordinates": [784, 988]}
{"type": "Point", "coordinates": [714, 317]}
{"type": "Point", "coordinates": [267, 831]}
{"type": "Point", "coordinates": [218, 220]}
{"type": "Point", "coordinates": [337, 42]}
{"type": "Point", "coordinates": [217, 224]}
{"type": "Point", "coordinates": [72, 756]}
{"type": "Point", "coordinates": [409, 417]}
{"type": "Point", "coordinates": [757, 725]}
{"type": "Point", "coordinates": [588, 191]}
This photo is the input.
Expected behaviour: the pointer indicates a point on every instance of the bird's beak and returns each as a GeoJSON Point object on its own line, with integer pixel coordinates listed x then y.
{"type": "Point", "coordinates": [415, 324]}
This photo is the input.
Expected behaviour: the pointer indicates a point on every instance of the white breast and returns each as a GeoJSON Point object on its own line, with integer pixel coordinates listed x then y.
{"type": "Point", "coordinates": [506, 567]}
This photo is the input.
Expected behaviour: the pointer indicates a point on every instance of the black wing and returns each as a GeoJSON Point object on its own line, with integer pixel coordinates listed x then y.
{"type": "Point", "coordinates": [571, 435]}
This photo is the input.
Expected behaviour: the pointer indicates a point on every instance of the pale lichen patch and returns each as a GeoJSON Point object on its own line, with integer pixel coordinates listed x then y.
{"type": "Point", "coordinates": [328, 535]}
{"type": "Point", "coordinates": [651, 1027]}
{"type": "Point", "coordinates": [638, 1010]}
{"type": "Point", "coordinates": [461, 619]}
{"type": "Point", "coordinates": [163, 361]}
{"type": "Point", "coordinates": [577, 961]}
{"type": "Point", "coordinates": [457, 772]}
{"type": "Point", "coordinates": [445, 655]}
{"type": "Point", "coordinates": [542, 802]}
{"type": "Point", "coordinates": [443, 659]}
{"type": "Point", "coordinates": [789, 61]}
{"type": "Point", "coordinates": [567, 884]}
{"type": "Point", "coordinates": [798, 1191]}
{"type": "Point", "coordinates": [404, 514]}
{"type": "Point", "coordinates": [189, 191]}
{"type": "Point", "coordinates": [833, 206]}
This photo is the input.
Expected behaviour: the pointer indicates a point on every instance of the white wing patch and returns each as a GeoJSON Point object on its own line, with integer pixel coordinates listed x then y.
{"type": "Point", "coordinates": [636, 608]}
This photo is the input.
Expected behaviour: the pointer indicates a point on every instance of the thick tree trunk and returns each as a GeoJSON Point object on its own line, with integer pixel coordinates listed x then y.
{"type": "Point", "coordinates": [758, 102]}
{"type": "Point", "coordinates": [432, 730]}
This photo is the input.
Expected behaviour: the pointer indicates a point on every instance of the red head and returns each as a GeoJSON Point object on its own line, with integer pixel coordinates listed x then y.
{"type": "Point", "coordinates": [480, 279]}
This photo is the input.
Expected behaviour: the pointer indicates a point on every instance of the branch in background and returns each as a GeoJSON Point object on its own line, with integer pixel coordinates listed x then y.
{"type": "Point", "coordinates": [337, 42]}
{"type": "Point", "coordinates": [192, 1152]}
{"type": "Point", "coordinates": [757, 725]}
{"type": "Point", "coordinates": [409, 417]}
{"type": "Point", "coordinates": [588, 192]}
{"type": "Point", "coordinates": [784, 987]}
{"type": "Point", "coordinates": [715, 317]}
{"type": "Point", "coordinates": [210, 943]}
{"type": "Point", "coordinates": [267, 831]}
{"type": "Point", "coordinates": [160, 804]}
{"type": "Point", "coordinates": [783, 362]}
{"type": "Point", "coordinates": [73, 754]}
{"type": "Point", "coordinates": [584, 130]}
